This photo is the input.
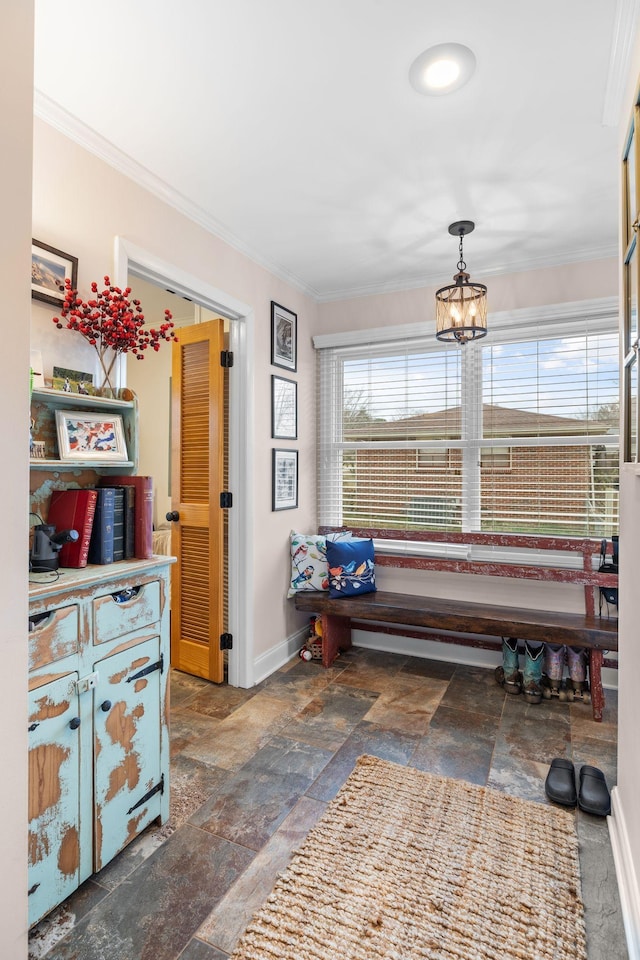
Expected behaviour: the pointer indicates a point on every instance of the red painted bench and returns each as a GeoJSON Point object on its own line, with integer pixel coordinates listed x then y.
{"type": "Point", "coordinates": [486, 622]}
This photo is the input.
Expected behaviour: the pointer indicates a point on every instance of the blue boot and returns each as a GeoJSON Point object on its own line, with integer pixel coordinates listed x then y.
{"type": "Point", "coordinates": [508, 675]}
{"type": "Point", "coordinates": [532, 673]}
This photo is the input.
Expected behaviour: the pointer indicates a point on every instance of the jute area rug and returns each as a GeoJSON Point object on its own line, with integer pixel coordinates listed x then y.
{"type": "Point", "coordinates": [406, 865]}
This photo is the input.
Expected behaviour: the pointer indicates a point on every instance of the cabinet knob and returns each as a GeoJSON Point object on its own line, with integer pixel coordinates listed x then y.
{"type": "Point", "coordinates": [105, 706]}
{"type": "Point", "coordinates": [75, 723]}
{"type": "Point", "coordinates": [32, 727]}
{"type": "Point", "coordinates": [173, 516]}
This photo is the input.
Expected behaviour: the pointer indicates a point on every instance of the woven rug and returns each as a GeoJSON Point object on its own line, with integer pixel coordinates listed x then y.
{"type": "Point", "coordinates": [406, 865]}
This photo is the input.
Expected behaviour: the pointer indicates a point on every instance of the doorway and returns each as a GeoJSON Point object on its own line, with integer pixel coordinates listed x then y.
{"type": "Point", "coordinates": [138, 263]}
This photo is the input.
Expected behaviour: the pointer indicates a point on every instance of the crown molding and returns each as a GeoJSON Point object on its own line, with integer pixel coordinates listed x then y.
{"type": "Point", "coordinates": [624, 30]}
{"type": "Point", "coordinates": [603, 252]}
{"type": "Point", "coordinates": [57, 117]}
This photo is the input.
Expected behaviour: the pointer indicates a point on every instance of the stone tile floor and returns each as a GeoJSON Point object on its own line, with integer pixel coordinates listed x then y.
{"type": "Point", "coordinates": [252, 772]}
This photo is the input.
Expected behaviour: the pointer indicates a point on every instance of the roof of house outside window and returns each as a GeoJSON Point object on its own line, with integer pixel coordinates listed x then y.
{"type": "Point", "coordinates": [498, 422]}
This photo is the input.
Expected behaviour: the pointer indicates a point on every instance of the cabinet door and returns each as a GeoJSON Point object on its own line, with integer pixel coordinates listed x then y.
{"type": "Point", "coordinates": [128, 780]}
{"type": "Point", "coordinates": [54, 794]}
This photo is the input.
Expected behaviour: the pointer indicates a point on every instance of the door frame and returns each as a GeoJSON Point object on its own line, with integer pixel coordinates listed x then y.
{"type": "Point", "coordinates": [129, 258]}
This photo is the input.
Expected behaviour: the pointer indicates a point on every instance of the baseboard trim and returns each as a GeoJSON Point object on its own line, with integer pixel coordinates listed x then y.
{"type": "Point", "coordinates": [267, 663]}
{"type": "Point", "coordinates": [625, 872]}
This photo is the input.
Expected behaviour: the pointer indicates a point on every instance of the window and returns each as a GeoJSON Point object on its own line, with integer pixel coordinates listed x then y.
{"type": "Point", "coordinates": [516, 433]}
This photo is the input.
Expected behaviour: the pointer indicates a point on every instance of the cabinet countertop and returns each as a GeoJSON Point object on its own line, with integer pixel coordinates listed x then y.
{"type": "Point", "coordinates": [43, 585]}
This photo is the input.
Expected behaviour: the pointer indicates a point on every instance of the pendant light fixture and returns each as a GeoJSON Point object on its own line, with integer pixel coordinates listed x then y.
{"type": "Point", "coordinates": [461, 307]}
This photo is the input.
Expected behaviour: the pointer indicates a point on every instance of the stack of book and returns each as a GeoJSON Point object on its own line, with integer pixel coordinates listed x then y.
{"type": "Point", "coordinates": [114, 520]}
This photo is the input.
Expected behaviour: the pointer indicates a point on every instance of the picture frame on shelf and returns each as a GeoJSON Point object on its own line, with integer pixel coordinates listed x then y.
{"type": "Point", "coordinates": [284, 408]}
{"type": "Point", "coordinates": [90, 436]}
{"type": "Point", "coordinates": [284, 337]}
{"type": "Point", "coordinates": [50, 268]}
{"type": "Point", "coordinates": [284, 479]}
{"type": "Point", "coordinates": [73, 381]}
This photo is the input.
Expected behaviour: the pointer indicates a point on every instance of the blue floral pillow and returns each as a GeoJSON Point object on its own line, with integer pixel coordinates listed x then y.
{"type": "Point", "coordinates": [351, 568]}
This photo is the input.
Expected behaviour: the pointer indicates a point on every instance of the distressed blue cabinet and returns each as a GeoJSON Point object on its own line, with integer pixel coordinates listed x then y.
{"type": "Point", "coordinates": [98, 736]}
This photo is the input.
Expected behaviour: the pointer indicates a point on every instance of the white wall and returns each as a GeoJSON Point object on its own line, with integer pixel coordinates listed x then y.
{"type": "Point", "coordinates": [626, 821]}
{"type": "Point", "coordinates": [80, 204]}
{"type": "Point", "coordinates": [16, 91]}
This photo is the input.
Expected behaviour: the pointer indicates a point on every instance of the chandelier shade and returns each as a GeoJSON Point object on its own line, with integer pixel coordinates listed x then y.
{"type": "Point", "coordinates": [461, 307]}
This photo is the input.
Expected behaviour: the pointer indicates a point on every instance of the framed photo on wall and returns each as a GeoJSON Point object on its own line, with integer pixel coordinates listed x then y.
{"type": "Point", "coordinates": [284, 408]}
{"type": "Point", "coordinates": [49, 270]}
{"type": "Point", "coordinates": [284, 479]}
{"type": "Point", "coordinates": [284, 337]}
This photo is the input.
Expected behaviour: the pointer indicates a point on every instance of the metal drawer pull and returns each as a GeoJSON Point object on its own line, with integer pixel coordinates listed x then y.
{"type": "Point", "coordinates": [146, 670]}
{"type": "Point", "coordinates": [75, 723]}
{"type": "Point", "coordinates": [105, 706]}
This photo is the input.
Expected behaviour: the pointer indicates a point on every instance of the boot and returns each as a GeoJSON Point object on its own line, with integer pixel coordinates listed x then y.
{"type": "Point", "coordinates": [532, 674]}
{"type": "Point", "coordinates": [577, 687]}
{"type": "Point", "coordinates": [508, 675]}
{"type": "Point", "coordinates": [553, 668]}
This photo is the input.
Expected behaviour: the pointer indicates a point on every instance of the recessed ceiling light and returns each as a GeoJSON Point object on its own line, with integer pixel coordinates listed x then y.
{"type": "Point", "coordinates": [442, 69]}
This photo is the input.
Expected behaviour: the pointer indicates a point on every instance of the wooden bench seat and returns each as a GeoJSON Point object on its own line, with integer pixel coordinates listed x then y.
{"type": "Point", "coordinates": [593, 633]}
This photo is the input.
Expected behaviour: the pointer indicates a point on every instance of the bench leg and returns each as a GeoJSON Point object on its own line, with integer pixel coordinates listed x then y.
{"type": "Point", "coordinates": [595, 680]}
{"type": "Point", "coordinates": [336, 635]}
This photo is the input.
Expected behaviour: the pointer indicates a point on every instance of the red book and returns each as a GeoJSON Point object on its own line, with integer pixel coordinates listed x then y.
{"type": "Point", "coordinates": [142, 511]}
{"type": "Point", "coordinates": [73, 510]}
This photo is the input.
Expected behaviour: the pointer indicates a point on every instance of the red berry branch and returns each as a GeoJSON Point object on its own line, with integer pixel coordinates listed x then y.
{"type": "Point", "coordinates": [110, 321]}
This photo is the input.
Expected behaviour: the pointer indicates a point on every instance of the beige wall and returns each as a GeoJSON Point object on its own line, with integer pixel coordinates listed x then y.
{"type": "Point", "coordinates": [534, 288]}
{"type": "Point", "coordinates": [80, 204]}
{"type": "Point", "coordinates": [16, 90]}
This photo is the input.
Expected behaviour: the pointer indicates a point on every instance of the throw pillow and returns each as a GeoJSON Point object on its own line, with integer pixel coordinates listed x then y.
{"type": "Point", "coordinates": [351, 568]}
{"type": "Point", "coordinates": [309, 560]}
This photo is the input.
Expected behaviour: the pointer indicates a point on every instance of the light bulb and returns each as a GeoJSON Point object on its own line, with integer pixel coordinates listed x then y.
{"type": "Point", "coordinates": [440, 74]}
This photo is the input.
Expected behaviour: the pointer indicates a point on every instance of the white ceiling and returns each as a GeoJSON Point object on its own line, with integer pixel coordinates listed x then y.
{"type": "Point", "coordinates": [289, 127]}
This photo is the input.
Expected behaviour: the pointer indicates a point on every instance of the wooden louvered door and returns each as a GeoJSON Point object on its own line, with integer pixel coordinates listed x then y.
{"type": "Point", "coordinates": [197, 451]}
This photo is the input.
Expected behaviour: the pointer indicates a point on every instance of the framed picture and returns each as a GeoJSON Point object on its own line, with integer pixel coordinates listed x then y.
{"type": "Point", "coordinates": [284, 480]}
{"type": "Point", "coordinates": [72, 381]}
{"type": "Point", "coordinates": [49, 270]}
{"type": "Point", "coordinates": [90, 436]}
{"type": "Point", "coordinates": [284, 337]}
{"type": "Point", "coordinates": [284, 408]}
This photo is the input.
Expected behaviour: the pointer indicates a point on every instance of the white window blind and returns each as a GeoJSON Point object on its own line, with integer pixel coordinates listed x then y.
{"type": "Point", "coordinates": [518, 433]}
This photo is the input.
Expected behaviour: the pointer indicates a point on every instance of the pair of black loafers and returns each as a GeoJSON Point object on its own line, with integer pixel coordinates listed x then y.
{"type": "Point", "coordinates": [592, 794]}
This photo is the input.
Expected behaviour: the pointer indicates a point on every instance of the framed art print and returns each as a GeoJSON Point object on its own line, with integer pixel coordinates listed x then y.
{"type": "Point", "coordinates": [49, 270]}
{"type": "Point", "coordinates": [90, 436]}
{"type": "Point", "coordinates": [284, 337]}
{"type": "Point", "coordinates": [284, 408]}
{"type": "Point", "coordinates": [284, 480]}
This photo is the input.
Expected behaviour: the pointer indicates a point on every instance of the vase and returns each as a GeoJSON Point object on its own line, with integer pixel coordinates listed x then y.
{"type": "Point", "coordinates": [105, 387]}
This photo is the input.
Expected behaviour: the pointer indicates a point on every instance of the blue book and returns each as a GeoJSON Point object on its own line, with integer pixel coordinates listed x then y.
{"type": "Point", "coordinates": [101, 545]}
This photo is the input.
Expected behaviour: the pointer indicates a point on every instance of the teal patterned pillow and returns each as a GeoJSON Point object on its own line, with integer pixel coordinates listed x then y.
{"type": "Point", "coordinates": [309, 561]}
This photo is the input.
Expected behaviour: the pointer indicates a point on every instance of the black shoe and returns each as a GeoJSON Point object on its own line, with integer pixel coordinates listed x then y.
{"type": "Point", "coordinates": [594, 796]}
{"type": "Point", "coordinates": [560, 785]}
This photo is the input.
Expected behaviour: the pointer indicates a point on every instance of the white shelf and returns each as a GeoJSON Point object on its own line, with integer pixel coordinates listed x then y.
{"type": "Point", "coordinates": [92, 464]}
{"type": "Point", "coordinates": [80, 400]}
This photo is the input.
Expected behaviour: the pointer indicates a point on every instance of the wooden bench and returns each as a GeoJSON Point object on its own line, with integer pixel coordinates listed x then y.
{"type": "Point", "coordinates": [450, 620]}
